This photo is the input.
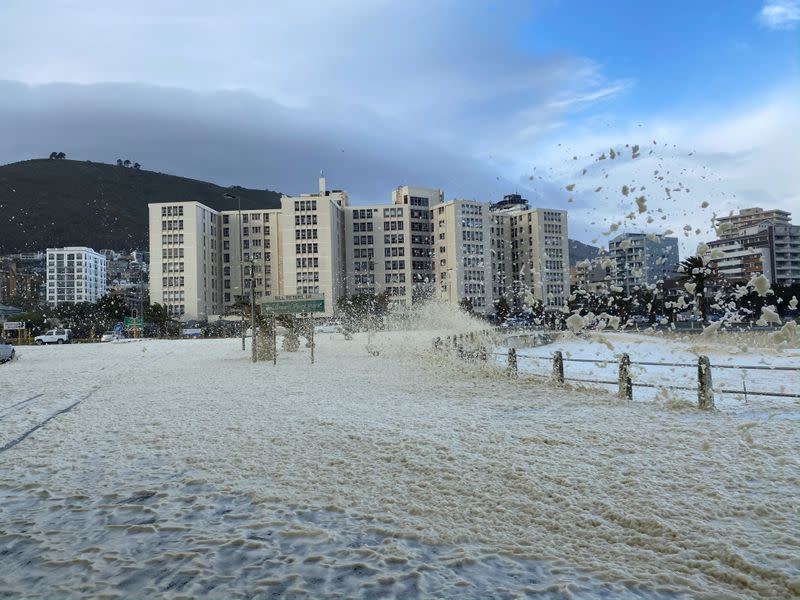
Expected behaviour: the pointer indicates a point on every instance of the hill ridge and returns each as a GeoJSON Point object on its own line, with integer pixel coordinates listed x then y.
{"type": "Point", "coordinates": [61, 202]}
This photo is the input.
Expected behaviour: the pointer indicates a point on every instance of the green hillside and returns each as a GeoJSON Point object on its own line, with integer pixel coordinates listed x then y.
{"type": "Point", "coordinates": [67, 202]}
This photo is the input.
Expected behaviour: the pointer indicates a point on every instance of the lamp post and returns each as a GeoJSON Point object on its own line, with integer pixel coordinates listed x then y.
{"type": "Point", "coordinates": [252, 311]}
{"type": "Point", "coordinates": [241, 258]}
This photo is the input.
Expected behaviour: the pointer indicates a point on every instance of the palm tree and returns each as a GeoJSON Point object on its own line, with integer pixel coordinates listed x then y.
{"type": "Point", "coordinates": [695, 270]}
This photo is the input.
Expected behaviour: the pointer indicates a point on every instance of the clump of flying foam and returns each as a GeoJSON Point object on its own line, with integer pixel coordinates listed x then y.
{"type": "Point", "coordinates": [760, 284]}
{"type": "Point", "coordinates": [575, 323]}
{"type": "Point", "coordinates": [788, 335]}
{"type": "Point", "coordinates": [769, 316]}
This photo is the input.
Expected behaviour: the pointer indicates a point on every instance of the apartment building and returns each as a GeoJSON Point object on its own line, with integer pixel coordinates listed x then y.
{"type": "Point", "coordinates": [733, 225]}
{"type": "Point", "coordinates": [8, 278]}
{"type": "Point", "coordinates": [185, 259]}
{"type": "Point", "coordinates": [540, 255]}
{"type": "Point", "coordinates": [249, 241]}
{"type": "Point", "coordinates": [204, 262]}
{"type": "Point", "coordinates": [642, 259]}
{"type": "Point", "coordinates": [312, 244]}
{"type": "Point", "coordinates": [388, 246]}
{"type": "Point", "coordinates": [594, 274]}
{"type": "Point", "coordinates": [75, 274]}
{"type": "Point", "coordinates": [462, 253]}
{"type": "Point", "coordinates": [769, 231]}
{"type": "Point", "coordinates": [785, 254]}
{"type": "Point", "coordinates": [735, 262]}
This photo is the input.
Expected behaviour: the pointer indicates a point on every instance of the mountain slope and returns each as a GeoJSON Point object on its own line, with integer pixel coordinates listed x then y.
{"type": "Point", "coordinates": [578, 251]}
{"type": "Point", "coordinates": [66, 202]}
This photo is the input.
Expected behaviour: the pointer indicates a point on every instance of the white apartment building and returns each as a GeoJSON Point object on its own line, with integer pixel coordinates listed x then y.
{"type": "Point", "coordinates": [75, 274]}
{"type": "Point", "coordinates": [736, 262]}
{"type": "Point", "coordinates": [462, 253]}
{"type": "Point", "coordinates": [540, 255]}
{"type": "Point", "coordinates": [389, 246]}
{"type": "Point", "coordinates": [734, 225]}
{"type": "Point", "coordinates": [204, 262]}
{"type": "Point", "coordinates": [249, 255]}
{"type": "Point", "coordinates": [771, 230]}
{"type": "Point", "coordinates": [643, 259]}
{"type": "Point", "coordinates": [312, 245]}
{"type": "Point", "coordinates": [184, 259]}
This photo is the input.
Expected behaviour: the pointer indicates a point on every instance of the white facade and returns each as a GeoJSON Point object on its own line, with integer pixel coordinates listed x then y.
{"type": "Point", "coordinates": [312, 245]}
{"type": "Point", "coordinates": [204, 262]}
{"type": "Point", "coordinates": [389, 246]}
{"type": "Point", "coordinates": [643, 259]}
{"type": "Point", "coordinates": [184, 259]}
{"type": "Point", "coordinates": [738, 263]}
{"type": "Point", "coordinates": [462, 253]}
{"type": "Point", "coordinates": [75, 274]}
{"type": "Point", "coordinates": [249, 255]}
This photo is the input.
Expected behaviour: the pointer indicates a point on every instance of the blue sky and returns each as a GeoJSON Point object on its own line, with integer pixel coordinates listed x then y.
{"type": "Point", "coordinates": [477, 98]}
{"type": "Point", "coordinates": [676, 55]}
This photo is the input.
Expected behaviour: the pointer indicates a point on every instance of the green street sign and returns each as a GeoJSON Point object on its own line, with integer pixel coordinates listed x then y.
{"type": "Point", "coordinates": [292, 305]}
{"type": "Point", "coordinates": [137, 322]}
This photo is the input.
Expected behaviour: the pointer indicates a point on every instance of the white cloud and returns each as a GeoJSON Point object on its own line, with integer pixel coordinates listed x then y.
{"type": "Point", "coordinates": [746, 156]}
{"type": "Point", "coordinates": [780, 14]}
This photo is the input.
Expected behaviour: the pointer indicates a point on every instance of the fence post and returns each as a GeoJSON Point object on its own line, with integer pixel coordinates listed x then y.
{"type": "Point", "coordinates": [558, 367]}
{"type": "Point", "coordinates": [455, 341]}
{"type": "Point", "coordinates": [437, 343]}
{"type": "Point", "coordinates": [705, 391]}
{"type": "Point", "coordinates": [482, 354]}
{"type": "Point", "coordinates": [512, 362]}
{"type": "Point", "coordinates": [625, 383]}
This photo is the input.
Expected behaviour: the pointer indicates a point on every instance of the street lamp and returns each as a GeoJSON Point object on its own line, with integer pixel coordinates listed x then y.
{"type": "Point", "coordinates": [230, 196]}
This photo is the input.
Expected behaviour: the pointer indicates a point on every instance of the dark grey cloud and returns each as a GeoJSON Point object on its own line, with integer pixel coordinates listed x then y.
{"type": "Point", "coordinates": [233, 138]}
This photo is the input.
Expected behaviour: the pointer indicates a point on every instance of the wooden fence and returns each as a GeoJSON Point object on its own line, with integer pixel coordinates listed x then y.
{"type": "Point", "coordinates": [464, 346]}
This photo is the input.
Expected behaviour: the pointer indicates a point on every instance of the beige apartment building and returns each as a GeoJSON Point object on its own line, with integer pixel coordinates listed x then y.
{"type": "Point", "coordinates": [462, 244]}
{"type": "Point", "coordinates": [530, 252]}
{"type": "Point", "coordinates": [388, 246]}
{"type": "Point", "coordinates": [205, 262]}
{"type": "Point", "coordinates": [312, 245]}
{"type": "Point", "coordinates": [250, 240]}
{"type": "Point", "coordinates": [185, 259]}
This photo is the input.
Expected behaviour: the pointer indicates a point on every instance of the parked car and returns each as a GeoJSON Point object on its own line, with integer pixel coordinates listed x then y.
{"type": "Point", "coordinates": [109, 336]}
{"type": "Point", "coordinates": [54, 336]}
{"type": "Point", "coordinates": [329, 327]}
{"type": "Point", "coordinates": [6, 351]}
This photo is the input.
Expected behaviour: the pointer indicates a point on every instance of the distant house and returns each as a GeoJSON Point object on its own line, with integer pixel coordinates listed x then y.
{"type": "Point", "coordinates": [7, 313]}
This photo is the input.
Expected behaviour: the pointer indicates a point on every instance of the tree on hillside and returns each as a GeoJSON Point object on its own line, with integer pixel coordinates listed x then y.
{"type": "Point", "coordinates": [61, 156]}
{"type": "Point", "coordinates": [119, 162]}
{"type": "Point", "coordinates": [126, 163]}
{"type": "Point", "coordinates": [137, 166]}
{"type": "Point", "coordinates": [158, 315]}
{"type": "Point", "coordinates": [53, 155]}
